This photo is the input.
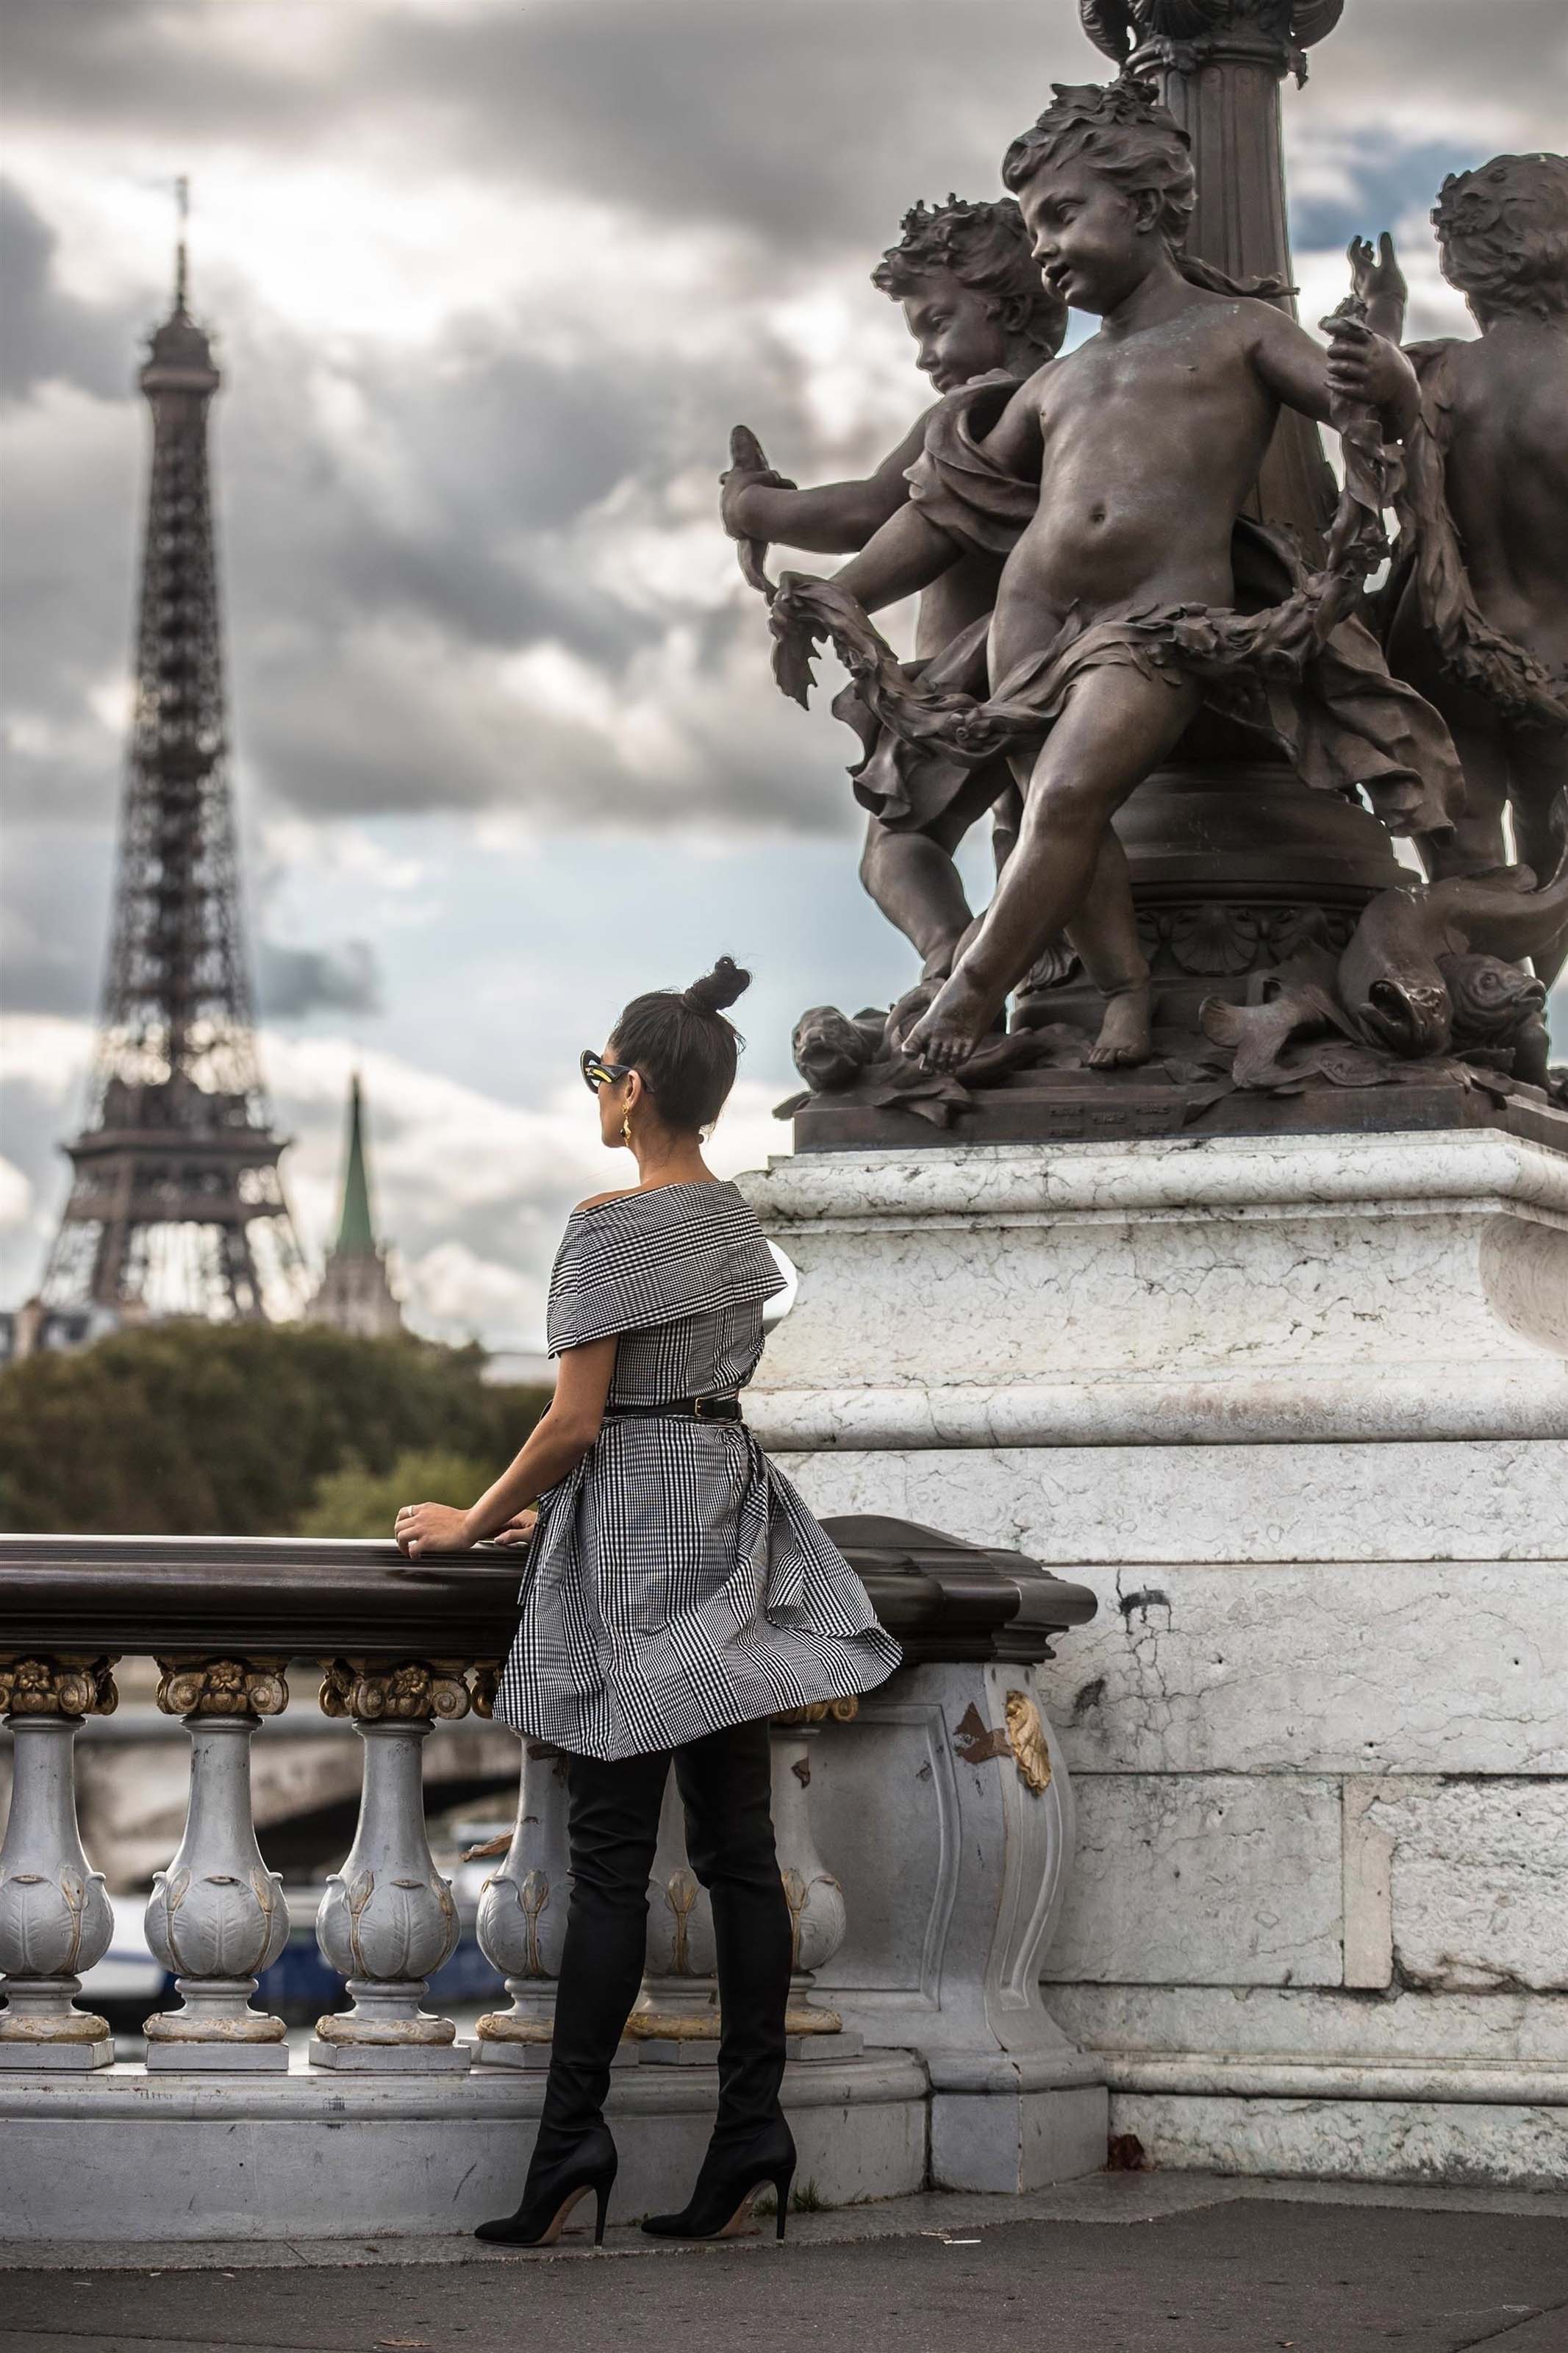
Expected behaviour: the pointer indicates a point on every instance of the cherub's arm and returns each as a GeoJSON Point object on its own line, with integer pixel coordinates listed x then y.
{"type": "Point", "coordinates": [911, 551]}
{"type": "Point", "coordinates": [832, 520]}
{"type": "Point", "coordinates": [1015, 442]}
{"type": "Point", "coordinates": [1359, 368]}
{"type": "Point", "coordinates": [1377, 281]}
{"type": "Point", "coordinates": [906, 555]}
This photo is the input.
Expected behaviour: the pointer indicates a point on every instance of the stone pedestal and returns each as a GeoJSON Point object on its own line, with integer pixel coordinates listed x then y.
{"type": "Point", "coordinates": [217, 1916]}
{"type": "Point", "coordinates": [387, 1921]}
{"type": "Point", "coordinates": [119, 2154]}
{"type": "Point", "coordinates": [56, 1920]}
{"type": "Point", "coordinates": [945, 1804]}
{"type": "Point", "coordinates": [1298, 1409]}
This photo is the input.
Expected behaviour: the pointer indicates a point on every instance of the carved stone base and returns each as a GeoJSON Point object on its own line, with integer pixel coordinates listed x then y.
{"type": "Point", "coordinates": [1048, 1106]}
{"type": "Point", "coordinates": [676, 2007]}
{"type": "Point", "coordinates": [188, 2058]}
{"type": "Point", "coordinates": [804, 2018]}
{"type": "Point", "coordinates": [322, 2156]}
{"type": "Point", "coordinates": [385, 2030]}
{"type": "Point", "coordinates": [217, 2012]}
{"type": "Point", "coordinates": [502, 2027]}
{"type": "Point", "coordinates": [39, 2028]}
{"type": "Point", "coordinates": [57, 2058]}
{"type": "Point", "coordinates": [807, 2045]}
{"type": "Point", "coordinates": [531, 2056]}
{"type": "Point", "coordinates": [678, 2051]}
{"type": "Point", "coordinates": [392, 2058]}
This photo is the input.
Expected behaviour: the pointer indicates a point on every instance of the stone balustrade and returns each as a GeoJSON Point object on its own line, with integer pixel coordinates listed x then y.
{"type": "Point", "coordinates": [400, 1649]}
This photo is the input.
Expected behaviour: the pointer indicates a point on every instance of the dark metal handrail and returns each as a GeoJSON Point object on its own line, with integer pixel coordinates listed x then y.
{"type": "Point", "coordinates": [311, 1597]}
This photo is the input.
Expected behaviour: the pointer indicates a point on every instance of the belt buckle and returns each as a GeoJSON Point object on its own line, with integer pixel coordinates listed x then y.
{"type": "Point", "coordinates": [699, 1408]}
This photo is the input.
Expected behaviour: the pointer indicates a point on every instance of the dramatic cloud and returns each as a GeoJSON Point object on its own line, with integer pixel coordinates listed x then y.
{"type": "Point", "coordinates": [490, 282]}
{"type": "Point", "coordinates": [474, 1189]}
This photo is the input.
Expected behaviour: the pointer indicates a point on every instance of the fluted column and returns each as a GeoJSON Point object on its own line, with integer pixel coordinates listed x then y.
{"type": "Point", "coordinates": [815, 1900]}
{"type": "Point", "coordinates": [522, 1915]}
{"type": "Point", "coordinates": [387, 1921]}
{"type": "Point", "coordinates": [56, 1919]}
{"type": "Point", "coordinates": [217, 1916]}
{"type": "Point", "coordinates": [1219, 68]}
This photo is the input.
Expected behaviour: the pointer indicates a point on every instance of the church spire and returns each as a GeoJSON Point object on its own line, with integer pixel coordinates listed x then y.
{"type": "Point", "coordinates": [356, 1294]}
{"type": "Point", "coordinates": [356, 1232]}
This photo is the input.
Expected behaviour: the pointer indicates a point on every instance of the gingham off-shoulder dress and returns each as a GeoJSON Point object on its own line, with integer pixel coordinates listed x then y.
{"type": "Point", "coordinates": [676, 1583]}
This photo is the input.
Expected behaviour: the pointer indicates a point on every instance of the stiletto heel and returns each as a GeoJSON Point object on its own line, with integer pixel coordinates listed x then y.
{"type": "Point", "coordinates": [720, 2204]}
{"type": "Point", "coordinates": [549, 2199]}
{"type": "Point", "coordinates": [782, 2183]}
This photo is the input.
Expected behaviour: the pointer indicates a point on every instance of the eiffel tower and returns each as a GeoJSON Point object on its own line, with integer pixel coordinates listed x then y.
{"type": "Point", "coordinates": [176, 1205]}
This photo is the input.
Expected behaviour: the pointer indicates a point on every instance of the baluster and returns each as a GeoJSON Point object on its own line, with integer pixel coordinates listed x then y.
{"type": "Point", "coordinates": [677, 2017]}
{"type": "Point", "coordinates": [217, 1916]}
{"type": "Point", "coordinates": [522, 1915]}
{"type": "Point", "coordinates": [816, 1911]}
{"type": "Point", "coordinates": [387, 1921]}
{"type": "Point", "coordinates": [56, 1920]}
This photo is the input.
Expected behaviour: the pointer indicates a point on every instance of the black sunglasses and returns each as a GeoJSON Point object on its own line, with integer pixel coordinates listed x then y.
{"type": "Point", "coordinates": [597, 1072]}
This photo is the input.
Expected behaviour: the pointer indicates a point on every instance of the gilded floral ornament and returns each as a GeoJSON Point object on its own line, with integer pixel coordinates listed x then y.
{"type": "Point", "coordinates": [57, 1686]}
{"type": "Point", "coordinates": [223, 1687]}
{"type": "Point", "coordinates": [417, 1689]}
{"type": "Point", "coordinates": [1026, 1739]}
{"type": "Point", "coordinates": [818, 1710]}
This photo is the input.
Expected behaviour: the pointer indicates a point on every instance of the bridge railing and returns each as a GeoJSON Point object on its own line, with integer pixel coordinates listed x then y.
{"type": "Point", "coordinates": [398, 1649]}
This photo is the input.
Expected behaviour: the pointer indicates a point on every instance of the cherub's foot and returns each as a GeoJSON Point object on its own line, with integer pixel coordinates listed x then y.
{"type": "Point", "coordinates": [1124, 1034]}
{"type": "Point", "coordinates": [954, 1028]}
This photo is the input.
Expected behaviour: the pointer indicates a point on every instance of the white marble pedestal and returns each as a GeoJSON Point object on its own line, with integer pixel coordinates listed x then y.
{"type": "Point", "coordinates": [1299, 1410]}
{"type": "Point", "coordinates": [955, 1852]}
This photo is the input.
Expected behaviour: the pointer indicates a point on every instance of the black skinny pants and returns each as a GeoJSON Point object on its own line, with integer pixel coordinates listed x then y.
{"type": "Point", "coordinates": [614, 1827]}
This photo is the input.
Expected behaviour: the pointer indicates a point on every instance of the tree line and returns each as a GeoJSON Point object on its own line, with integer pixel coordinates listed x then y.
{"type": "Point", "coordinates": [197, 1428]}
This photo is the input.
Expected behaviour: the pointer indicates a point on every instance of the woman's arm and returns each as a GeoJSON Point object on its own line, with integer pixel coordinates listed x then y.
{"type": "Point", "coordinates": [554, 1446]}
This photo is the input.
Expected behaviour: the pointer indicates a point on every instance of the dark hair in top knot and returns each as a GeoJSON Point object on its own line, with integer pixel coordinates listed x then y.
{"type": "Point", "coordinates": [719, 988]}
{"type": "Point", "coordinates": [684, 1050]}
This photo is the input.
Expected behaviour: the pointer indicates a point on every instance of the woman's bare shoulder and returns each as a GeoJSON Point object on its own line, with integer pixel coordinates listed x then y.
{"type": "Point", "coordinates": [597, 1201]}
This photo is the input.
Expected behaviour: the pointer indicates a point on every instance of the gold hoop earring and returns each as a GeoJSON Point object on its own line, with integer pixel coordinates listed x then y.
{"type": "Point", "coordinates": [627, 1128]}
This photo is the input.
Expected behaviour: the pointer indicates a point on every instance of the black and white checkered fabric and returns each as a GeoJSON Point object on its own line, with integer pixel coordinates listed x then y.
{"type": "Point", "coordinates": [676, 1583]}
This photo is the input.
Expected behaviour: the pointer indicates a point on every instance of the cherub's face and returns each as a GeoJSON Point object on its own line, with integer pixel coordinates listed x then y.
{"type": "Point", "coordinates": [957, 333]}
{"type": "Point", "coordinates": [1088, 237]}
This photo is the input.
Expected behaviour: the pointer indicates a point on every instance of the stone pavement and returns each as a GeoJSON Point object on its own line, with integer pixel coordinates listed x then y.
{"type": "Point", "coordinates": [1120, 2263]}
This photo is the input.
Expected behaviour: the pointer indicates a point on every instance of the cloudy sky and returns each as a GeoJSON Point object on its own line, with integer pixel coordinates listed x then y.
{"type": "Point", "coordinates": [492, 279]}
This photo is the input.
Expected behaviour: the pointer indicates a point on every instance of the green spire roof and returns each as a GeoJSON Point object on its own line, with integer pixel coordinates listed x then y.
{"type": "Point", "coordinates": [356, 1235]}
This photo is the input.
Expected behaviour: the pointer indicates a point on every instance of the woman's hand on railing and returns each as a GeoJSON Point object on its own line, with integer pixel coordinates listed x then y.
{"type": "Point", "coordinates": [422, 1528]}
{"type": "Point", "coordinates": [519, 1529]}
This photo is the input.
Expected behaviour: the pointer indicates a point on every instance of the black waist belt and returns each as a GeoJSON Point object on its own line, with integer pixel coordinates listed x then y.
{"type": "Point", "coordinates": [718, 1408]}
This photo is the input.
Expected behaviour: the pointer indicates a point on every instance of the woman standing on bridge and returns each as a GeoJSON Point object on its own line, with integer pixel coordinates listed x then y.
{"type": "Point", "coordinates": [678, 1594]}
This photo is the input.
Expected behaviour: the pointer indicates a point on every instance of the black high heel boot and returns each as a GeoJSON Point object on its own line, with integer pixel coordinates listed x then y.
{"type": "Point", "coordinates": [546, 2203]}
{"type": "Point", "coordinates": [730, 2177]}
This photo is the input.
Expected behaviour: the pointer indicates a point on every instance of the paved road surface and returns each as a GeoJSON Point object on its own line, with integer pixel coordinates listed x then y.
{"type": "Point", "coordinates": [1148, 2265]}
